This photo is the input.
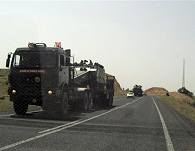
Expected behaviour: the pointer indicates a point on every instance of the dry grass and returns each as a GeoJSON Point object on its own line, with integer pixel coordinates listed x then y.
{"type": "Point", "coordinates": [182, 97]}
{"type": "Point", "coordinates": [3, 82]}
{"type": "Point", "coordinates": [5, 105]}
{"type": "Point", "coordinates": [156, 91]}
{"type": "Point", "coordinates": [118, 90]}
{"type": "Point", "coordinates": [186, 109]}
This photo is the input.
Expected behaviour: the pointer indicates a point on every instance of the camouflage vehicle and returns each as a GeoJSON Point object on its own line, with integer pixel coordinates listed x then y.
{"type": "Point", "coordinates": [44, 76]}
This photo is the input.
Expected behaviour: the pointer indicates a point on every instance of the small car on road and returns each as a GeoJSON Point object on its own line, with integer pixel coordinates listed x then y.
{"type": "Point", "coordinates": [130, 94]}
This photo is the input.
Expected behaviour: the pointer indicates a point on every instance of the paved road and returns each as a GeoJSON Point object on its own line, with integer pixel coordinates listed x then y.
{"type": "Point", "coordinates": [140, 124]}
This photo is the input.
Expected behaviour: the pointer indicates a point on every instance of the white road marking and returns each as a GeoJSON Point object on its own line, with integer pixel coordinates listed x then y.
{"type": "Point", "coordinates": [54, 128]}
{"type": "Point", "coordinates": [165, 130]}
{"type": "Point", "coordinates": [65, 127]}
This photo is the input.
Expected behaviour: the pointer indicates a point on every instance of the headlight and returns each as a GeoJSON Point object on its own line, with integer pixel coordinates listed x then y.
{"type": "Point", "coordinates": [13, 91]}
{"type": "Point", "coordinates": [50, 92]}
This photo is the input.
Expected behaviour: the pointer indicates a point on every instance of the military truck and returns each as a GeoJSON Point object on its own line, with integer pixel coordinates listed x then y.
{"type": "Point", "coordinates": [137, 90]}
{"type": "Point", "coordinates": [46, 77]}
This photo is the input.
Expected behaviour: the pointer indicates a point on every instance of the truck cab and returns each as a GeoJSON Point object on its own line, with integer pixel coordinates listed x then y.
{"type": "Point", "coordinates": [38, 75]}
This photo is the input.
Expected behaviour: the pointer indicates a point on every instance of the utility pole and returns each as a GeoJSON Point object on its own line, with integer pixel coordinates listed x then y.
{"type": "Point", "coordinates": [183, 81]}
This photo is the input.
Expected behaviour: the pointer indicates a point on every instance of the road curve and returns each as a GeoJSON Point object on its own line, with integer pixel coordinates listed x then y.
{"type": "Point", "coordinates": [137, 124]}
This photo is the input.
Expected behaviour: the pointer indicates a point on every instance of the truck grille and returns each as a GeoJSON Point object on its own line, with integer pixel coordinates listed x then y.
{"type": "Point", "coordinates": [34, 91]}
{"type": "Point", "coordinates": [28, 89]}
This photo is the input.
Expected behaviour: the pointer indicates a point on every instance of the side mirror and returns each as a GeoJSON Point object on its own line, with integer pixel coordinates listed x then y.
{"type": "Point", "coordinates": [8, 60]}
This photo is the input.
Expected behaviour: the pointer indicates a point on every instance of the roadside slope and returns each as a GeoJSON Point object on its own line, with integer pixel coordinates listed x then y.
{"type": "Point", "coordinates": [181, 106]}
{"type": "Point", "coordinates": [156, 91]}
{"type": "Point", "coordinates": [182, 103]}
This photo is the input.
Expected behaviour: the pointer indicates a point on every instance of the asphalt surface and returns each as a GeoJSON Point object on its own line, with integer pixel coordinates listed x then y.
{"type": "Point", "coordinates": [133, 124]}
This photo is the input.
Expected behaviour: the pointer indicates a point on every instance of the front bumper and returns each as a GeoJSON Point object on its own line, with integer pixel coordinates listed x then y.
{"type": "Point", "coordinates": [32, 97]}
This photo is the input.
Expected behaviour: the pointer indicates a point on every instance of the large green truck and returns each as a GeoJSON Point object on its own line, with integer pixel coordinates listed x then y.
{"type": "Point", "coordinates": [46, 77]}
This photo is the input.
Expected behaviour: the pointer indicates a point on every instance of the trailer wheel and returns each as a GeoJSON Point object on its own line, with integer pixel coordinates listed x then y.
{"type": "Point", "coordinates": [64, 106]}
{"type": "Point", "coordinates": [20, 107]}
{"type": "Point", "coordinates": [85, 102]}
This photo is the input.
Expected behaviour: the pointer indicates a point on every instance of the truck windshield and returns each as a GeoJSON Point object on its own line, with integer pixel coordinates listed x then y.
{"type": "Point", "coordinates": [34, 60]}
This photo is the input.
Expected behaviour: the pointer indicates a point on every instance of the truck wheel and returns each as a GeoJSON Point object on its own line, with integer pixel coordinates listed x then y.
{"type": "Point", "coordinates": [85, 102]}
{"type": "Point", "coordinates": [64, 106]}
{"type": "Point", "coordinates": [110, 101]}
{"type": "Point", "coordinates": [20, 107]}
{"type": "Point", "coordinates": [91, 102]}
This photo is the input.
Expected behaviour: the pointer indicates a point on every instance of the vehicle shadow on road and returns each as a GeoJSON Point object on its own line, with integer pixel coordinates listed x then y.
{"type": "Point", "coordinates": [71, 116]}
{"type": "Point", "coordinates": [44, 115]}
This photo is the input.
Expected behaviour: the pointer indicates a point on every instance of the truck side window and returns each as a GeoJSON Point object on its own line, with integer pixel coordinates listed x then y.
{"type": "Point", "coordinates": [61, 60]}
{"type": "Point", "coordinates": [16, 60]}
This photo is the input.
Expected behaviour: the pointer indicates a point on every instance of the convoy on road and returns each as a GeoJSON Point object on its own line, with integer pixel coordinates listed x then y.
{"type": "Point", "coordinates": [49, 77]}
{"type": "Point", "coordinates": [136, 91]}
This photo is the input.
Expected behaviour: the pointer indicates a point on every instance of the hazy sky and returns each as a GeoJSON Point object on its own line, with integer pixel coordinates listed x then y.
{"type": "Point", "coordinates": [138, 42]}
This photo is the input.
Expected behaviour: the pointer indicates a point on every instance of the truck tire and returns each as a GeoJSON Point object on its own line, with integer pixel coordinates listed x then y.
{"type": "Point", "coordinates": [64, 106]}
{"type": "Point", "coordinates": [110, 101]}
{"type": "Point", "coordinates": [20, 107]}
{"type": "Point", "coordinates": [91, 101]}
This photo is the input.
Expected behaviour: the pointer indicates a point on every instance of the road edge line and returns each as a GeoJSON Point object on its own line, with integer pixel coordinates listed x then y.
{"type": "Point", "coordinates": [165, 129]}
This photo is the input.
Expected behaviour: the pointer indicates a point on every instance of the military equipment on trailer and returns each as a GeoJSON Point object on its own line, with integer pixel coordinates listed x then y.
{"type": "Point", "coordinates": [44, 76]}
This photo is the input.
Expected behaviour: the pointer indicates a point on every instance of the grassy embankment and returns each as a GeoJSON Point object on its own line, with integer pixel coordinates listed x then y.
{"type": "Point", "coordinates": [5, 104]}
{"type": "Point", "coordinates": [186, 109]}
{"type": "Point", "coordinates": [180, 102]}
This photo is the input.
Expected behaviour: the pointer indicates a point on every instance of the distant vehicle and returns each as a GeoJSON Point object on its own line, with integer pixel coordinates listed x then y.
{"type": "Point", "coordinates": [130, 94]}
{"type": "Point", "coordinates": [44, 76]}
{"type": "Point", "coordinates": [185, 91]}
{"type": "Point", "coordinates": [137, 90]}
